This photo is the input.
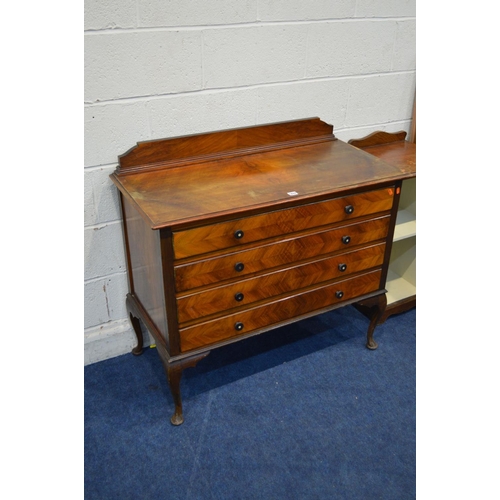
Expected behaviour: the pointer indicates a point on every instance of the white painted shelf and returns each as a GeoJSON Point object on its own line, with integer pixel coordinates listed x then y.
{"type": "Point", "coordinates": [398, 288]}
{"type": "Point", "coordinates": [401, 277]}
{"type": "Point", "coordinates": [406, 225]}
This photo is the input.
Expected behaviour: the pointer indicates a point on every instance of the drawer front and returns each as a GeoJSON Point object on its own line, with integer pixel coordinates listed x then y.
{"type": "Point", "coordinates": [248, 320]}
{"type": "Point", "coordinates": [250, 229]}
{"type": "Point", "coordinates": [216, 300]}
{"type": "Point", "coordinates": [264, 257]}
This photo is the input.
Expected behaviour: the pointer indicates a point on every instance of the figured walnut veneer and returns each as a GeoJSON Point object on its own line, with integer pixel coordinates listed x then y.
{"type": "Point", "coordinates": [232, 233]}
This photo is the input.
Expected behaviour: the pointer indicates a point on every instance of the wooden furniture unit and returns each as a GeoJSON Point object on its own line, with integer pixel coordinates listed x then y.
{"type": "Point", "coordinates": [401, 277]}
{"type": "Point", "coordinates": [233, 233]}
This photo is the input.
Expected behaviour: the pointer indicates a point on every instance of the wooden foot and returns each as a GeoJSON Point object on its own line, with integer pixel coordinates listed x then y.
{"type": "Point", "coordinates": [376, 308]}
{"type": "Point", "coordinates": [174, 375]}
{"type": "Point", "coordinates": [173, 366]}
{"type": "Point", "coordinates": [136, 324]}
{"type": "Point", "coordinates": [174, 371]}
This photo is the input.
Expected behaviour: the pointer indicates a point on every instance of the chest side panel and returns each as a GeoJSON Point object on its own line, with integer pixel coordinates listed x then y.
{"type": "Point", "coordinates": [144, 258]}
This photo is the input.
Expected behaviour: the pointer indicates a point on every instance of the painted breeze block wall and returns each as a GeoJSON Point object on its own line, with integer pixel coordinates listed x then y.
{"type": "Point", "coordinates": [156, 69]}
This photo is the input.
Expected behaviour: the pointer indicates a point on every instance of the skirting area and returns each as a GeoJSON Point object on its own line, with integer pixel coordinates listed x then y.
{"type": "Point", "coordinates": [303, 412]}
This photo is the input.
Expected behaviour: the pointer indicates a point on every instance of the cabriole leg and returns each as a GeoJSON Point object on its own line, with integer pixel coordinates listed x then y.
{"type": "Point", "coordinates": [377, 309]}
{"type": "Point", "coordinates": [174, 371]}
{"type": "Point", "coordinates": [174, 375]}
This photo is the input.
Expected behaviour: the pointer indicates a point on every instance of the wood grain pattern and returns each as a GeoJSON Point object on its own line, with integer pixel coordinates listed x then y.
{"type": "Point", "coordinates": [221, 298]}
{"type": "Point", "coordinates": [280, 253]}
{"type": "Point", "coordinates": [391, 148]}
{"type": "Point", "coordinates": [145, 266]}
{"type": "Point", "coordinates": [199, 147]}
{"type": "Point", "coordinates": [217, 236]}
{"type": "Point", "coordinates": [209, 332]}
{"type": "Point", "coordinates": [401, 154]}
{"type": "Point", "coordinates": [184, 196]}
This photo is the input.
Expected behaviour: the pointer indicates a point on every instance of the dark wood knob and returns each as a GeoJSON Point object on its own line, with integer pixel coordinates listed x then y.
{"type": "Point", "coordinates": [342, 267]}
{"type": "Point", "coordinates": [239, 266]}
{"type": "Point", "coordinates": [349, 209]}
{"type": "Point", "coordinates": [239, 297]}
{"type": "Point", "coordinates": [339, 294]}
{"type": "Point", "coordinates": [238, 326]}
{"type": "Point", "coordinates": [239, 234]}
{"type": "Point", "coordinates": [346, 240]}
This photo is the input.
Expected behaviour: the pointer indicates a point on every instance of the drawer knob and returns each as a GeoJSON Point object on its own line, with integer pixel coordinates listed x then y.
{"type": "Point", "coordinates": [238, 326]}
{"type": "Point", "coordinates": [239, 234]}
{"type": "Point", "coordinates": [339, 294]}
{"type": "Point", "coordinates": [239, 297]}
{"type": "Point", "coordinates": [239, 266]}
{"type": "Point", "coordinates": [346, 240]}
{"type": "Point", "coordinates": [342, 267]}
{"type": "Point", "coordinates": [349, 209]}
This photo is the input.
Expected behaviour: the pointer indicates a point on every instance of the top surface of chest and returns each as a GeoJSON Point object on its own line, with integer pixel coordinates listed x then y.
{"type": "Point", "coordinates": [213, 186]}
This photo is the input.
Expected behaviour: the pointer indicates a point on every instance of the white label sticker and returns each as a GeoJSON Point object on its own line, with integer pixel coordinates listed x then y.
{"type": "Point", "coordinates": [292, 193]}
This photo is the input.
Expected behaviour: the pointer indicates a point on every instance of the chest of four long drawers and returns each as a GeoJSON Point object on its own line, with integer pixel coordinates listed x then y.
{"type": "Point", "coordinates": [229, 234]}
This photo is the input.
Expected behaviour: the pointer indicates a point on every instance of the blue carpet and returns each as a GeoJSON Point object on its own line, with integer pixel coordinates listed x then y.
{"type": "Point", "coordinates": [302, 412]}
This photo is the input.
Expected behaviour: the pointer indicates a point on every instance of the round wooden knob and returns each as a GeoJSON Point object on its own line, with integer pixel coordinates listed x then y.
{"type": "Point", "coordinates": [346, 240]}
{"type": "Point", "coordinates": [339, 294]}
{"type": "Point", "coordinates": [239, 266]}
{"type": "Point", "coordinates": [349, 209]}
{"type": "Point", "coordinates": [239, 234]}
{"type": "Point", "coordinates": [239, 326]}
{"type": "Point", "coordinates": [239, 297]}
{"type": "Point", "coordinates": [342, 267]}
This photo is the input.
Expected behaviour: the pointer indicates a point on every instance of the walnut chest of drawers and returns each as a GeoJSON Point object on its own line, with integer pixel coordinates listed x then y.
{"type": "Point", "coordinates": [232, 233]}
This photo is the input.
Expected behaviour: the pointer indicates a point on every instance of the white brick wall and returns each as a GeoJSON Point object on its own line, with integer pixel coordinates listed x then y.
{"type": "Point", "coordinates": [160, 68]}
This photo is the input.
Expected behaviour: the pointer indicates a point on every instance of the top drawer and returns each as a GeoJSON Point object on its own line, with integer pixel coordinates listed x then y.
{"type": "Point", "coordinates": [213, 237]}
